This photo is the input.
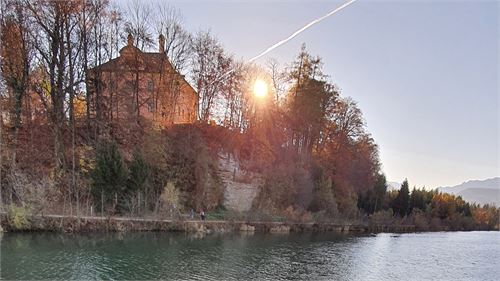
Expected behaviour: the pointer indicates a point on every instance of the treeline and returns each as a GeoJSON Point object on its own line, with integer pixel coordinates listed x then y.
{"type": "Point", "coordinates": [427, 210]}
{"type": "Point", "coordinates": [306, 142]}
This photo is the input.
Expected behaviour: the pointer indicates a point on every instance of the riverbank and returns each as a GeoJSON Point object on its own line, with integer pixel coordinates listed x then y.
{"type": "Point", "coordinates": [122, 224]}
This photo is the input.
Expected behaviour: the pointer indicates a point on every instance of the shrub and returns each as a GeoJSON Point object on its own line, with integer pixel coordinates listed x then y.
{"type": "Point", "coordinates": [383, 217]}
{"type": "Point", "coordinates": [19, 217]}
{"type": "Point", "coordinates": [30, 190]}
{"type": "Point", "coordinates": [170, 198]}
{"type": "Point", "coordinates": [420, 220]}
{"type": "Point", "coordinates": [297, 215]}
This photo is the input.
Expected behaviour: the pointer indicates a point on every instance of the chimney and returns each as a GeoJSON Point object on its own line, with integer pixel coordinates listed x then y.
{"type": "Point", "coordinates": [161, 42]}
{"type": "Point", "coordinates": [130, 40]}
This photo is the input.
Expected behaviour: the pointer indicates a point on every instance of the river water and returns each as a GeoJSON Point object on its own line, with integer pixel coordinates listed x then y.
{"type": "Point", "coordinates": [420, 256]}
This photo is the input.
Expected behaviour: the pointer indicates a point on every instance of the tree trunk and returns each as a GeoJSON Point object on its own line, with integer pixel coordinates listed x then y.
{"type": "Point", "coordinates": [1, 155]}
{"type": "Point", "coordinates": [102, 203]}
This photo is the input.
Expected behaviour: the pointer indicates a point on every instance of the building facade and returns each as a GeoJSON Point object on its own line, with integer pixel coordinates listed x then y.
{"type": "Point", "coordinates": [141, 87]}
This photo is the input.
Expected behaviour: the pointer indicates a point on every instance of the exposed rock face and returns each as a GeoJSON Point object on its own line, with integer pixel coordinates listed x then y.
{"type": "Point", "coordinates": [240, 187]}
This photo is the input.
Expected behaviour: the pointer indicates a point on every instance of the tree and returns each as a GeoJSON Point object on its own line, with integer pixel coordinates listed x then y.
{"type": "Point", "coordinates": [16, 53]}
{"type": "Point", "coordinates": [417, 200]}
{"type": "Point", "coordinates": [323, 198]}
{"type": "Point", "coordinates": [443, 205]}
{"type": "Point", "coordinates": [170, 198]}
{"type": "Point", "coordinates": [109, 177]}
{"type": "Point", "coordinates": [178, 45]}
{"type": "Point", "coordinates": [48, 34]}
{"type": "Point", "coordinates": [210, 72]}
{"type": "Point", "coordinates": [137, 180]}
{"type": "Point", "coordinates": [371, 200]}
{"type": "Point", "coordinates": [137, 23]}
{"type": "Point", "coordinates": [309, 105]}
{"type": "Point", "coordinates": [401, 204]}
{"type": "Point", "coordinates": [379, 189]}
{"type": "Point", "coordinates": [138, 173]}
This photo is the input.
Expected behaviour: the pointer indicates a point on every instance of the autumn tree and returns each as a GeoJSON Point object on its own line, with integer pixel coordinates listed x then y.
{"type": "Point", "coordinates": [17, 55]}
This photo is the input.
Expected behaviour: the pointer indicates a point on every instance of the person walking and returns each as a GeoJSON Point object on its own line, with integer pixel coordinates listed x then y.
{"type": "Point", "coordinates": [202, 214]}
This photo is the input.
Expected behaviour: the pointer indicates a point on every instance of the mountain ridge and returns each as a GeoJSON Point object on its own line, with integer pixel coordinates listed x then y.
{"type": "Point", "coordinates": [485, 191]}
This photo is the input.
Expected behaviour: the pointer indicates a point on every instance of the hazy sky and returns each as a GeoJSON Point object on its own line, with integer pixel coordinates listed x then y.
{"type": "Point", "coordinates": [425, 74]}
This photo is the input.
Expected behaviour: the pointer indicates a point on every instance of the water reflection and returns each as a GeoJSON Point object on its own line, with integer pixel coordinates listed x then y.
{"type": "Point", "coordinates": [241, 256]}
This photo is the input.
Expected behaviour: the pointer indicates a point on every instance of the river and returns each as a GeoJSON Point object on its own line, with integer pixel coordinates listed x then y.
{"type": "Point", "coordinates": [417, 256]}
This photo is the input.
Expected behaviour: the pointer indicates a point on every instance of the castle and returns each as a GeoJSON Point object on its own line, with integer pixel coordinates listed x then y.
{"type": "Point", "coordinates": [141, 85]}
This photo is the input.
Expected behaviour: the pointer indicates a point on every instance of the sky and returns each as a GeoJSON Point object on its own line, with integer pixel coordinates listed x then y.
{"type": "Point", "coordinates": [425, 74]}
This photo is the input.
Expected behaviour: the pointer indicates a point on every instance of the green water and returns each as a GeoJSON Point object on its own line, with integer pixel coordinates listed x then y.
{"type": "Point", "coordinates": [423, 256]}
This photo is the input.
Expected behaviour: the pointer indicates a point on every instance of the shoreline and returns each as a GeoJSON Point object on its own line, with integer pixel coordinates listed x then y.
{"type": "Point", "coordinates": [63, 223]}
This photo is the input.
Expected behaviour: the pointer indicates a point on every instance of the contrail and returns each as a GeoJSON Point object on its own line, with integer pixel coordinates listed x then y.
{"type": "Point", "coordinates": [300, 31]}
{"type": "Point", "coordinates": [293, 35]}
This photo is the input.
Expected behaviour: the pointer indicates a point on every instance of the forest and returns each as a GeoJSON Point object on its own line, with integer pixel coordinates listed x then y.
{"type": "Point", "coordinates": [306, 142]}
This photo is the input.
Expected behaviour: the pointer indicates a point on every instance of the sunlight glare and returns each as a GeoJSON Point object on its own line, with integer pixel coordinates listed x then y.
{"type": "Point", "coordinates": [260, 88]}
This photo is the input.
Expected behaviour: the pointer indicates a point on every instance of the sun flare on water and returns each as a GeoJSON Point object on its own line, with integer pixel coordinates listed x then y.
{"type": "Point", "coordinates": [260, 88]}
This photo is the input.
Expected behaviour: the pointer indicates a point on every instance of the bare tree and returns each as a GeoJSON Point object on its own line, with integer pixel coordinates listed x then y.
{"type": "Point", "coordinates": [279, 79]}
{"type": "Point", "coordinates": [138, 24]}
{"type": "Point", "coordinates": [2, 90]}
{"type": "Point", "coordinates": [52, 25]}
{"type": "Point", "coordinates": [210, 71]}
{"type": "Point", "coordinates": [178, 45]}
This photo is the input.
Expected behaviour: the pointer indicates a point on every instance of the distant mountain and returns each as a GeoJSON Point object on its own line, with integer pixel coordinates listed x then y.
{"type": "Point", "coordinates": [478, 191]}
{"type": "Point", "coordinates": [392, 185]}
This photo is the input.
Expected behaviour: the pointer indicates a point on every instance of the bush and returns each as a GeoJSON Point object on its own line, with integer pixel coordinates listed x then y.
{"type": "Point", "coordinates": [420, 220]}
{"type": "Point", "coordinates": [19, 217]}
{"type": "Point", "coordinates": [383, 217]}
{"type": "Point", "coordinates": [297, 215]}
{"type": "Point", "coordinates": [170, 198]}
{"type": "Point", "coordinates": [32, 191]}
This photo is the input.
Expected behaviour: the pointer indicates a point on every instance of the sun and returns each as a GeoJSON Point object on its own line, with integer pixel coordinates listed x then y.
{"type": "Point", "coordinates": [260, 88]}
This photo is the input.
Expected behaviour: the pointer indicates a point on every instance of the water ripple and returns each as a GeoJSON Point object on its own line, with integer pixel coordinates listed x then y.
{"type": "Point", "coordinates": [144, 256]}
